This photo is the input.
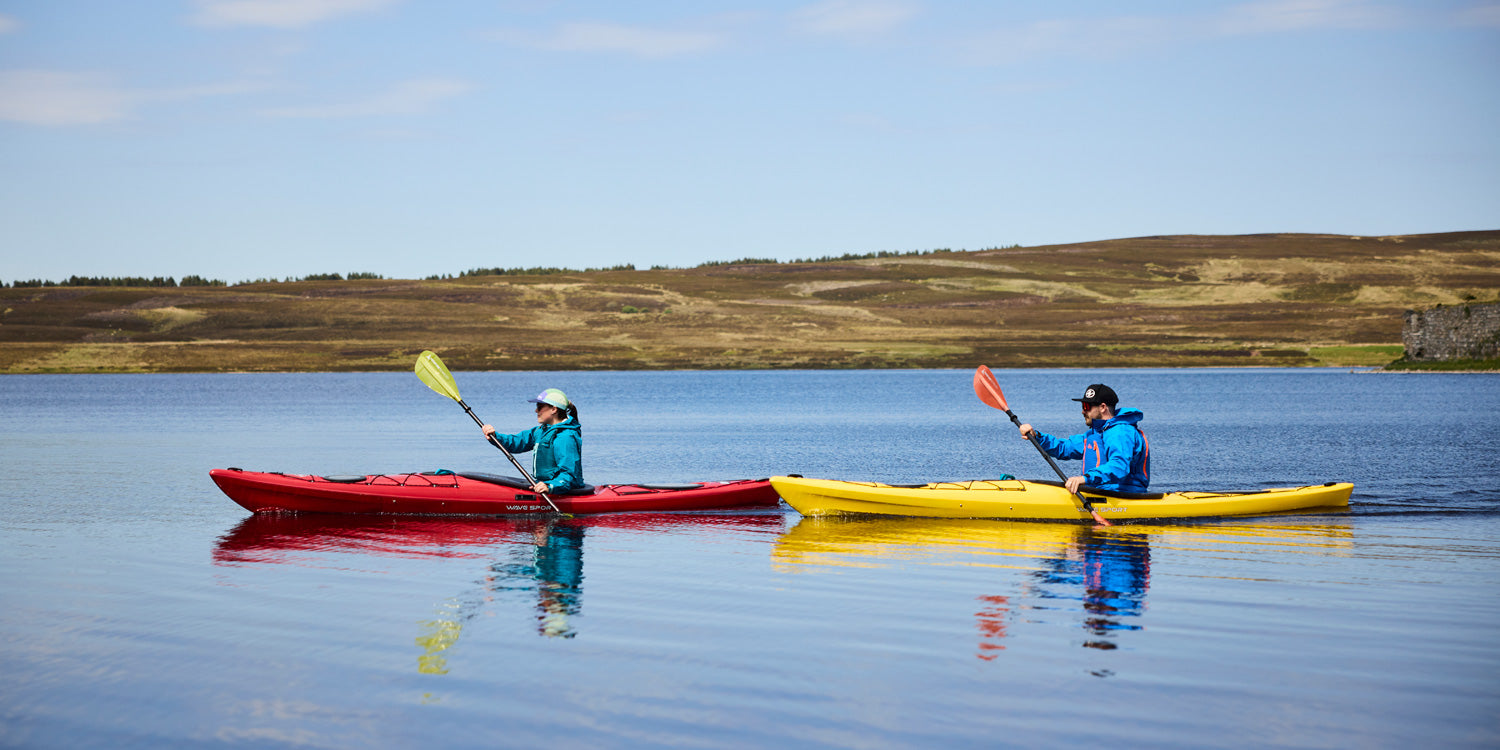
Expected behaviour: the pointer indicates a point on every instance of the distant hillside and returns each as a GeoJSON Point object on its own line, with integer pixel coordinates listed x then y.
{"type": "Point", "coordinates": [1151, 301]}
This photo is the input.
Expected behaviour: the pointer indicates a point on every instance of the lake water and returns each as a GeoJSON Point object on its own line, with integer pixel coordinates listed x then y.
{"type": "Point", "coordinates": [139, 607]}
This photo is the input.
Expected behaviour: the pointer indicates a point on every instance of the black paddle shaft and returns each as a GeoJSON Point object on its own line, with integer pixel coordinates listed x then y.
{"type": "Point", "coordinates": [1038, 443]}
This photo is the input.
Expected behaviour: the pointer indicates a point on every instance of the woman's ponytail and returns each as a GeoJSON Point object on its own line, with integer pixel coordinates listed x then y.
{"type": "Point", "coordinates": [573, 411]}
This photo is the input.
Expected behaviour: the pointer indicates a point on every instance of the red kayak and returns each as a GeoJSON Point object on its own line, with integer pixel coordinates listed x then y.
{"type": "Point", "coordinates": [473, 494]}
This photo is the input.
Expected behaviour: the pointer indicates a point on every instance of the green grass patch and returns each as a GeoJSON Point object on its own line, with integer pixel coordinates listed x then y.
{"type": "Point", "coordinates": [1365, 355]}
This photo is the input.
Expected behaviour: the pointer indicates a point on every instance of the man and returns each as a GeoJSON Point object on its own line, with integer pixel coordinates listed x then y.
{"type": "Point", "coordinates": [1115, 453]}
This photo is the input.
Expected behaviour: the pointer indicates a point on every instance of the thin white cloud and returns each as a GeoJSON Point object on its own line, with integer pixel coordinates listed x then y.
{"type": "Point", "coordinates": [1487, 16]}
{"type": "Point", "coordinates": [8, 24]}
{"type": "Point", "coordinates": [852, 17]}
{"type": "Point", "coordinates": [1091, 38]}
{"type": "Point", "coordinates": [1276, 16]}
{"type": "Point", "coordinates": [1113, 37]}
{"type": "Point", "coordinates": [286, 14]}
{"type": "Point", "coordinates": [408, 98]}
{"type": "Point", "coordinates": [61, 98]}
{"type": "Point", "coordinates": [46, 97]}
{"type": "Point", "coordinates": [607, 38]}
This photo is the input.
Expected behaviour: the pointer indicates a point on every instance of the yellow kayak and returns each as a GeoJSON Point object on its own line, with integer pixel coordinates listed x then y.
{"type": "Point", "coordinates": [1018, 499]}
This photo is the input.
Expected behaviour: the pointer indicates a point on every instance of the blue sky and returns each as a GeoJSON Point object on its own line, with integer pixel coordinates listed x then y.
{"type": "Point", "coordinates": [242, 139]}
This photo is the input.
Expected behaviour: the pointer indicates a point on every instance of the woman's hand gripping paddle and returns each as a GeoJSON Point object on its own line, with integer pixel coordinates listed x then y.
{"type": "Point", "coordinates": [435, 374]}
{"type": "Point", "coordinates": [988, 391]}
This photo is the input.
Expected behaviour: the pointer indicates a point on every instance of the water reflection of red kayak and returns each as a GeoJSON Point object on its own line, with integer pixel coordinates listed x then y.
{"type": "Point", "coordinates": [278, 538]}
{"type": "Point", "coordinates": [473, 494]}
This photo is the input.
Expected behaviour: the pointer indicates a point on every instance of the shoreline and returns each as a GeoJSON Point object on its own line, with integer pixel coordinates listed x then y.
{"type": "Point", "coordinates": [1201, 301]}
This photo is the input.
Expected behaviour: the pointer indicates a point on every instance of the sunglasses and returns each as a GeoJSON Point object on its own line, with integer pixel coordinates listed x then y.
{"type": "Point", "coordinates": [1086, 405]}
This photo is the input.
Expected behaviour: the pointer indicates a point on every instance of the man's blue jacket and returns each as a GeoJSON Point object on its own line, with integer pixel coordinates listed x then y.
{"type": "Point", "coordinates": [1115, 453]}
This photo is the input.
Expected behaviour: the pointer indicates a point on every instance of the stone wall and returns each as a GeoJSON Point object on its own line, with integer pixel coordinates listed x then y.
{"type": "Point", "coordinates": [1452, 332]}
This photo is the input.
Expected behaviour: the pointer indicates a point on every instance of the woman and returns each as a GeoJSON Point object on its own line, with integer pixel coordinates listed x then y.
{"type": "Point", "coordinates": [557, 466]}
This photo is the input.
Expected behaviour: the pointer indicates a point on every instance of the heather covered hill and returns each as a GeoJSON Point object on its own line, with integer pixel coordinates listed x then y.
{"type": "Point", "coordinates": [1280, 300]}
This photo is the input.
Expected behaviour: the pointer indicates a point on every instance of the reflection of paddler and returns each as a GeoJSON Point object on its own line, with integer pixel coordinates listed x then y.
{"type": "Point", "coordinates": [556, 571]}
{"type": "Point", "coordinates": [1109, 566]}
{"type": "Point", "coordinates": [1106, 568]}
{"type": "Point", "coordinates": [868, 541]}
{"type": "Point", "coordinates": [559, 566]}
{"type": "Point", "coordinates": [546, 556]}
{"type": "Point", "coordinates": [554, 568]}
{"type": "Point", "coordinates": [1113, 570]}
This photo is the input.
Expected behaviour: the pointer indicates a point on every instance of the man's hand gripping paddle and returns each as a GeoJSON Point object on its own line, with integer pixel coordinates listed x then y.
{"type": "Point", "coordinates": [988, 391]}
{"type": "Point", "coordinates": [435, 374]}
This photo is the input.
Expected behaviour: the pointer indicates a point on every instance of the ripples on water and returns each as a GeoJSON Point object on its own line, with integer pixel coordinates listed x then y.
{"type": "Point", "coordinates": [144, 609]}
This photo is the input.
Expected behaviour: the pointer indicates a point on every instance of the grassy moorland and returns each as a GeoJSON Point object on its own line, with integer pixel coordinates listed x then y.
{"type": "Point", "coordinates": [1262, 300]}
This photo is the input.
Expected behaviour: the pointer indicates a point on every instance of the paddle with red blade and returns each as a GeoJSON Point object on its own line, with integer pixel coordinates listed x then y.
{"type": "Point", "coordinates": [988, 391]}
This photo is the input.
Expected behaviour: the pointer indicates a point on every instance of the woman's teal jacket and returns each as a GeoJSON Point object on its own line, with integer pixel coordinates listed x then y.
{"type": "Point", "coordinates": [559, 453]}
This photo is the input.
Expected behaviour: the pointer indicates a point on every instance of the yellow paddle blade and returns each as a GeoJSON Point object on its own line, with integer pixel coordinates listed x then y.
{"type": "Point", "coordinates": [435, 374]}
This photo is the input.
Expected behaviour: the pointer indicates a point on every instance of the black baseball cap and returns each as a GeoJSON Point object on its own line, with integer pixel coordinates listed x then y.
{"type": "Point", "coordinates": [1099, 393]}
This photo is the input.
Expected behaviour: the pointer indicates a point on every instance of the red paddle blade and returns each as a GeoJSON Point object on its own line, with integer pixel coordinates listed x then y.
{"type": "Point", "coordinates": [988, 389]}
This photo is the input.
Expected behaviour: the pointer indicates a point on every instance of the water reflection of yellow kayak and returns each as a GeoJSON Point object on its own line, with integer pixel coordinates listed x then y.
{"type": "Point", "coordinates": [871, 541]}
{"type": "Point", "coordinates": [1016, 499]}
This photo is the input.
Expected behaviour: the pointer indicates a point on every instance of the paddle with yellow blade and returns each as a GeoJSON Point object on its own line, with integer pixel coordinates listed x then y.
{"type": "Point", "coordinates": [988, 391]}
{"type": "Point", "coordinates": [435, 374]}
